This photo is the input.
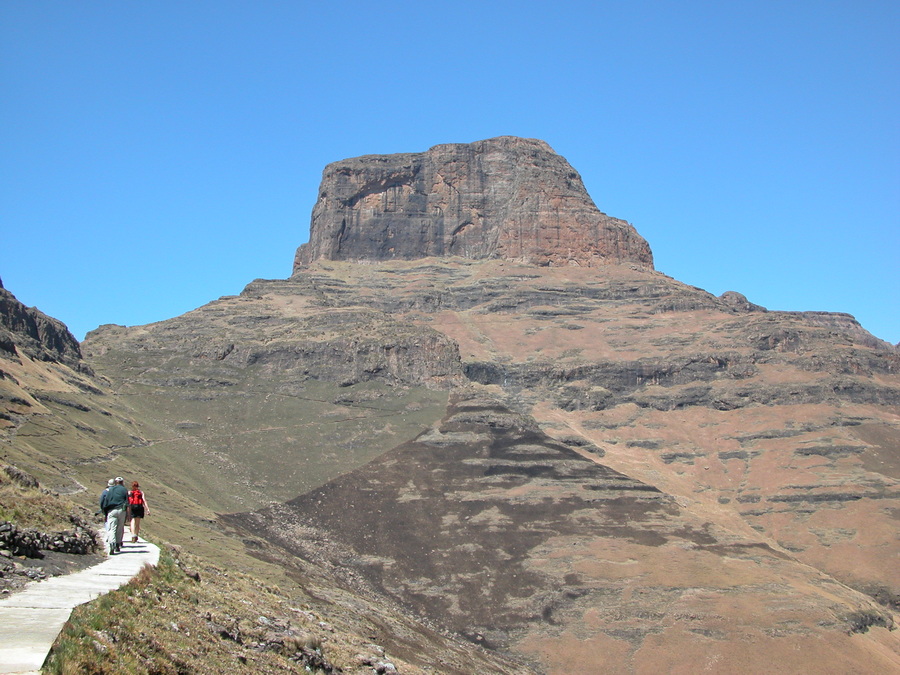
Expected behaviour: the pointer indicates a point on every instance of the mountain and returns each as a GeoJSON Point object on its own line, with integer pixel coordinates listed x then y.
{"type": "Point", "coordinates": [476, 400]}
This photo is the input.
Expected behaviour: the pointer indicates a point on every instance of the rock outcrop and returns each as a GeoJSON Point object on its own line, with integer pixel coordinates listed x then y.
{"type": "Point", "coordinates": [325, 342]}
{"type": "Point", "coordinates": [39, 336]}
{"type": "Point", "coordinates": [507, 197]}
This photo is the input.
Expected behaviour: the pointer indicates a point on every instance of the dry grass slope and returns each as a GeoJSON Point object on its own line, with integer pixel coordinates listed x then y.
{"type": "Point", "coordinates": [188, 616]}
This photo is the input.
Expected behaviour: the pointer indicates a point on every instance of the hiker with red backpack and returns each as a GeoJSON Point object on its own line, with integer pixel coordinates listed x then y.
{"type": "Point", "coordinates": [137, 505]}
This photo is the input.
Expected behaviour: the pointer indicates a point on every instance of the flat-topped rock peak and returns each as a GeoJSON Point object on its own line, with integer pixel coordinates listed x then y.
{"type": "Point", "coordinates": [506, 197]}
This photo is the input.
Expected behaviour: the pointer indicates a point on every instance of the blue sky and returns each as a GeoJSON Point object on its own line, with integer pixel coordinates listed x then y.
{"type": "Point", "coordinates": [157, 155]}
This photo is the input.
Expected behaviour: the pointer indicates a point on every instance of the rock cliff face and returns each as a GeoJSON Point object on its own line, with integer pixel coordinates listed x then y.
{"type": "Point", "coordinates": [35, 334]}
{"type": "Point", "coordinates": [506, 197]}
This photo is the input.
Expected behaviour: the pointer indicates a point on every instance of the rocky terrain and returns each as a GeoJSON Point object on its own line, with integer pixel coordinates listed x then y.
{"type": "Point", "coordinates": [476, 401]}
{"type": "Point", "coordinates": [35, 334]}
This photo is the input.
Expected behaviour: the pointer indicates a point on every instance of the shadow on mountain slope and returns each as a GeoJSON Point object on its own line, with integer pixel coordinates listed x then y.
{"type": "Point", "coordinates": [486, 525]}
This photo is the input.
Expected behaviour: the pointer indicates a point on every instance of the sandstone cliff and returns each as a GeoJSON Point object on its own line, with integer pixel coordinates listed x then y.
{"type": "Point", "coordinates": [506, 197]}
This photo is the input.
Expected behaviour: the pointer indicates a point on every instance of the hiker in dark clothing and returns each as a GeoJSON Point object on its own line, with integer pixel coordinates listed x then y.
{"type": "Point", "coordinates": [109, 484]}
{"type": "Point", "coordinates": [113, 505]}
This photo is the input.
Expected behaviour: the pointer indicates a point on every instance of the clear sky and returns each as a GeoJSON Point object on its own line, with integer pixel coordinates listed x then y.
{"type": "Point", "coordinates": [157, 155]}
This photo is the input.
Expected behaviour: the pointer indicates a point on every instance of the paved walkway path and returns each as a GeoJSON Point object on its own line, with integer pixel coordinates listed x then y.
{"type": "Point", "coordinates": [31, 619]}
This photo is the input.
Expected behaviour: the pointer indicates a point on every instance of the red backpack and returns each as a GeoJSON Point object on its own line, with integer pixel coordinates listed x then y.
{"type": "Point", "coordinates": [135, 497]}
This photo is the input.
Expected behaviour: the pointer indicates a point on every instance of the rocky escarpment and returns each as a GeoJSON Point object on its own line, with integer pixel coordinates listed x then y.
{"type": "Point", "coordinates": [37, 335]}
{"type": "Point", "coordinates": [39, 358]}
{"type": "Point", "coordinates": [719, 369]}
{"type": "Point", "coordinates": [506, 197]}
{"type": "Point", "coordinates": [338, 344]}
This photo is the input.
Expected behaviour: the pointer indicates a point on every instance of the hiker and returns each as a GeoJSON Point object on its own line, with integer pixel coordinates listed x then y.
{"type": "Point", "coordinates": [114, 505]}
{"type": "Point", "coordinates": [137, 505]}
{"type": "Point", "coordinates": [109, 484]}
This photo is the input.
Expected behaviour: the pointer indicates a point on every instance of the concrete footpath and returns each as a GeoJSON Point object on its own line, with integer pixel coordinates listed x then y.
{"type": "Point", "coordinates": [31, 619]}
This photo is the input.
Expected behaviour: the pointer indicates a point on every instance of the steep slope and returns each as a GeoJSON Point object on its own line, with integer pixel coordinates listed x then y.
{"type": "Point", "coordinates": [35, 334]}
{"type": "Point", "coordinates": [518, 542]}
{"type": "Point", "coordinates": [277, 395]}
{"type": "Point", "coordinates": [788, 420]}
{"type": "Point", "coordinates": [51, 404]}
